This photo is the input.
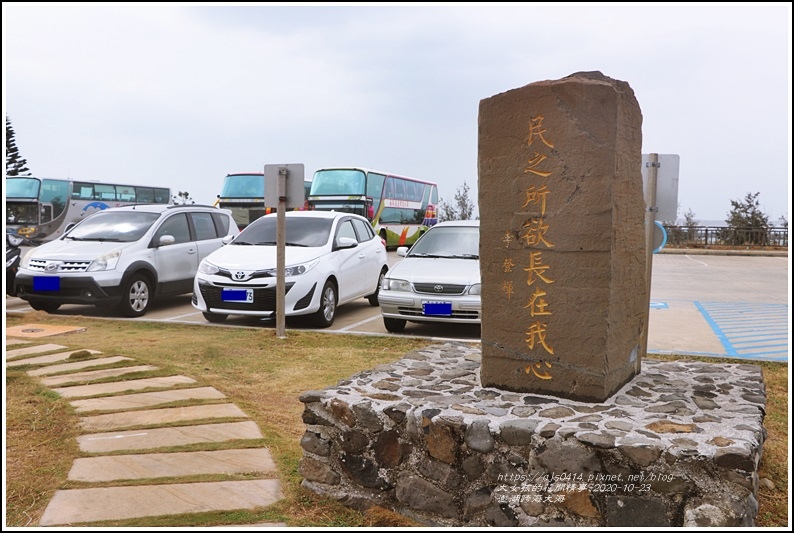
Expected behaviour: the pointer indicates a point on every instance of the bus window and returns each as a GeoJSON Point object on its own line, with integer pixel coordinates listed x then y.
{"type": "Point", "coordinates": [126, 194]}
{"type": "Point", "coordinates": [144, 195]}
{"type": "Point", "coordinates": [162, 196]}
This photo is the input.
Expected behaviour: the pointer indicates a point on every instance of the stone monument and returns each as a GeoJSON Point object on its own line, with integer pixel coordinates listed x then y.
{"type": "Point", "coordinates": [562, 241]}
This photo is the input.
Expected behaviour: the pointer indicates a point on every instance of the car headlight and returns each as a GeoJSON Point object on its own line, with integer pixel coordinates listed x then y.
{"type": "Point", "coordinates": [205, 267]}
{"type": "Point", "coordinates": [475, 289]}
{"type": "Point", "coordinates": [296, 270]}
{"type": "Point", "coordinates": [107, 261]}
{"type": "Point", "coordinates": [395, 285]}
{"type": "Point", "coordinates": [25, 261]}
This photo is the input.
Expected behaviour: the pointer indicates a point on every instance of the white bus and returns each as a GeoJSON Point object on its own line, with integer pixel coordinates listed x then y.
{"type": "Point", "coordinates": [400, 208]}
{"type": "Point", "coordinates": [41, 209]}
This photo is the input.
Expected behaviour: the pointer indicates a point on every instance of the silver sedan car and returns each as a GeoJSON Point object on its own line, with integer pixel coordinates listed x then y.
{"type": "Point", "coordinates": [438, 279]}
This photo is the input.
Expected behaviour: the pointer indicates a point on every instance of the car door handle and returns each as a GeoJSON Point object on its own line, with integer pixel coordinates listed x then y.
{"type": "Point", "coordinates": [191, 251]}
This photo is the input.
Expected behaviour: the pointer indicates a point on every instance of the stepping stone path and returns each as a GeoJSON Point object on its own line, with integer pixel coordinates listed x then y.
{"type": "Point", "coordinates": [123, 429]}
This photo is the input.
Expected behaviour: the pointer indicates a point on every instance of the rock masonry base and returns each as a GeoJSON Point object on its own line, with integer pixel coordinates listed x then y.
{"type": "Point", "coordinates": [679, 445]}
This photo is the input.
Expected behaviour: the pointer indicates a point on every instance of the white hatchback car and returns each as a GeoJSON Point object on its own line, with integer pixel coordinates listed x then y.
{"type": "Point", "coordinates": [330, 258]}
{"type": "Point", "coordinates": [437, 281]}
{"type": "Point", "coordinates": [124, 257]}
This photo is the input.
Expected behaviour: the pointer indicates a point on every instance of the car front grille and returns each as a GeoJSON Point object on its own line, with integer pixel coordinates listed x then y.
{"type": "Point", "coordinates": [40, 265]}
{"type": "Point", "coordinates": [463, 315]}
{"type": "Point", "coordinates": [439, 288]}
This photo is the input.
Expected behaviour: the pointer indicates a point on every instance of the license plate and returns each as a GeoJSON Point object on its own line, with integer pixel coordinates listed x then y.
{"type": "Point", "coordinates": [437, 308]}
{"type": "Point", "coordinates": [46, 283]}
{"type": "Point", "coordinates": [245, 296]}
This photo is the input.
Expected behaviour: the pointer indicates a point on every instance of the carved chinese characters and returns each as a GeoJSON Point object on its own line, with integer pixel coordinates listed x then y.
{"type": "Point", "coordinates": [561, 237]}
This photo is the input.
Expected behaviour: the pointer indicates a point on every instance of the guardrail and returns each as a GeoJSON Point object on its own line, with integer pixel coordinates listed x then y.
{"type": "Point", "coordinates": [710, 236]}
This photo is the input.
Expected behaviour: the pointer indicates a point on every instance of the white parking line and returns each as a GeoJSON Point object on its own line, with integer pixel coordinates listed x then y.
{"type": "Point", "coordinates": [184, 316]}
{"type": "Point", "coordinates": [357, 324]}
{"type": "Point", "coordinates": [695, 260]}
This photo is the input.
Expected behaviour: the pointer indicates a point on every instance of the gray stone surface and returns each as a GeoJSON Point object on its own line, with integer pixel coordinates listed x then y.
{"type": "Point", "coordinates": [122, 386]}
{"type": "Point", "coordinates": [152, 438]}
{"type": "Point", "coordinates": [40, 348]}
{"type": "Point", "coordinates": [154, 465]}
{"type": "Point", "coordinates": [76, 506]}
{"type": "Point", "coordinates": [93, 375]}
{"type": "Point", "coordinates": [47, 359]}
{"type": "Point", "coordinates": [145, 399]}
{"type": "Point", "coordinates": [159, 416]}
{"type": "Point", "coordinates": [79, 365]}
{"type": "Point", "coordinates": [649, 449]}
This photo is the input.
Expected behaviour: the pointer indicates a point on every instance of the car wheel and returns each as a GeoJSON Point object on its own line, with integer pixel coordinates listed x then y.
{"type": "Point", "coordinates": [48, 307]}
{"type": "Point", "coordinates": [136, 296]}
{"type": "Point", "coordinates": [324, 316]}
{"type": "Point", "coordinates": [215, 318]}
{"type": "Point", "coordinates": [373, 298]}
{"type": "Point", "coordinates": [394, 325]}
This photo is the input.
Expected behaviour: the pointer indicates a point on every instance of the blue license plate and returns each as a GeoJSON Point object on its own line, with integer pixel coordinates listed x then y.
{"type": "Point", "coordinates": [46, 283]}
{"type": "Point", "coordinates": [437, 308]}
{"type": "Point", "coordinates": [245, 296]}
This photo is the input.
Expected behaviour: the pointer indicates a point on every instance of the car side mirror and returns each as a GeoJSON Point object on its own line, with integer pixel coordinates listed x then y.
{"type": "Point", "coordinates": [402, 251]}
{"type": "Point", "coordinates": [345, 242]}
{"type": "Point", "coordinates": [165, 240]}
{"type": "Point", "coordinates": [227, 239]}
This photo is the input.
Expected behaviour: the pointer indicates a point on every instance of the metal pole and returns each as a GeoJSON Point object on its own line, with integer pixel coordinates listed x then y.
{"type": "Point", "coordinates": [650, 224]}
{"type": "Point", "coordinates": [281, 238]}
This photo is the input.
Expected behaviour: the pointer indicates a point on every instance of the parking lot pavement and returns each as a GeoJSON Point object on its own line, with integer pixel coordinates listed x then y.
{"type": "Point", "coordinates": [701, 304]}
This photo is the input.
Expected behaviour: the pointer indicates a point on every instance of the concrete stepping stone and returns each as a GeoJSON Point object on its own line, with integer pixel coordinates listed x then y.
{"type": "Point", "coordinates": [47, 359]}
{"type": "Point", "coordinates": [41, 348]}
{"type": "Point", "coordinates": [94, 375]}
{"type": "Point", "coordinates": [122, 386]}
{"type": "Point", "coordinates": [30, 331]}
{"type": "Point", "coordinates": [159, 416]}
{"type": "Point", "coordinates": [12, 341]}
{"type": "Point", "coordinates": [119, 503]}
{"type": "Point", "coordinates": [154, 465]}
{"type": "Point", "coordinates": [68, 367]}
{"type": "Point", "coordinates": [148, 439]}
{"type": "Point", "coordinates": [145, 399]}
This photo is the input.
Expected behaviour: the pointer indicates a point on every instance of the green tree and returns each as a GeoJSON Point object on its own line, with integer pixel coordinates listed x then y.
{"type": "Point", "coordinates": [461, 209]}
{"type": "Point", "coordinates": [749, 223]}
{"type": "Point", "coordinates": [15, 165]}
{"type": "Point", "coordinates": [182, 198]}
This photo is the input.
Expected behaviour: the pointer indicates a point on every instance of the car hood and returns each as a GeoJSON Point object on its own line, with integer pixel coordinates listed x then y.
{"type": "Point", "coordinates": [78, 250]}
{"type": "Point", "coordinates": [433, 270]}
{"type": "Point", "coordinates": [242, 257]}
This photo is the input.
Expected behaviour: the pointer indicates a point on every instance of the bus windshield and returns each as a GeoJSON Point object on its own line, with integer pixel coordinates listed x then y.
{"type": "Point", "coordinates": [339, 181]}
{"type": "Point", "coordinates": [243, 186]}
{"type": "Point", "coordinates": [22, 188]}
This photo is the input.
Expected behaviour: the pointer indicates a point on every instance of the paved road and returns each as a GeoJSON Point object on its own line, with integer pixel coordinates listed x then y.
{"type": "Point", "coordinates": [709, 305]}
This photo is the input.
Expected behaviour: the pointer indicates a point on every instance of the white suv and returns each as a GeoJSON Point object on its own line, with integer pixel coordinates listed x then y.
{"type": "Point", "coordinates": [124, 257]}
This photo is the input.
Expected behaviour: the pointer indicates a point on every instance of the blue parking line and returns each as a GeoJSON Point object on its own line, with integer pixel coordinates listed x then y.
{"type": "Point", "coordinates": [748, 330]}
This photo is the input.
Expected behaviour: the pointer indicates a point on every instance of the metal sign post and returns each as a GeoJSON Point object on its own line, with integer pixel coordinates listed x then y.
{"type": "Point", "coordinates": [281, 238]}
{"type": "Point", "coordinates": [285, 193]}
{"type": "Point", "coordinates": [652, 167]}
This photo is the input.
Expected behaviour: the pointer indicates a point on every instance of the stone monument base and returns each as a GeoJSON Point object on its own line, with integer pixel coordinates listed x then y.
{"type": "Point", "coordinates": [679, 445]}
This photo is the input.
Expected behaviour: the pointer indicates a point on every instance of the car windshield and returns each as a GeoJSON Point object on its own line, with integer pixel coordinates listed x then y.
{"type": "Point", "coordinates": [451, 241]}
{"type": "Point", "coordinates": [300, 231]}
{"type": "Point", "coordinates": [117, 226]}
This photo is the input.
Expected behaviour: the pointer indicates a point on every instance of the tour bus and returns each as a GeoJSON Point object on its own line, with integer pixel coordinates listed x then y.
{"type": "Point", "coordinates": [244, 195]}
{"type": "Point", "coordinates": [399, 208]}
{"type": "Point", "coordinates": [41, 209]}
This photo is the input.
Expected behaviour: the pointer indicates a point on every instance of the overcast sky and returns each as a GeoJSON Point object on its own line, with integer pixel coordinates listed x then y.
{"type": "Point", "coordinates": [181, 95]}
